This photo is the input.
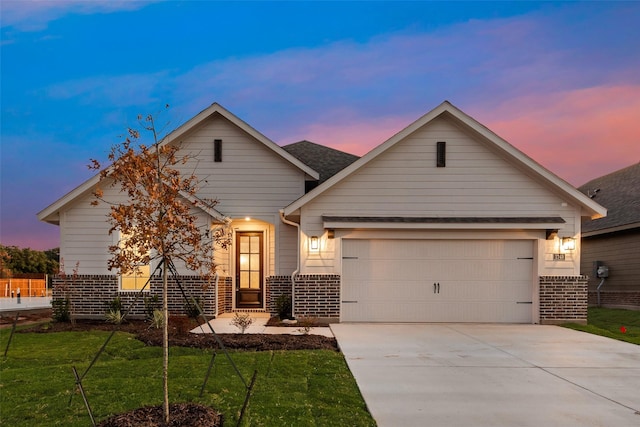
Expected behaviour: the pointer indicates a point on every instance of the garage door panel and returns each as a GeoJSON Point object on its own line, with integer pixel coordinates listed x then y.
{"type": "Point", "coordinates": [479, 281]}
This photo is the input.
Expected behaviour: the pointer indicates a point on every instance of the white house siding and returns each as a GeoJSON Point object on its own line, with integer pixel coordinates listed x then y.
{"type": "Point", "coordinates": [84, 235]}
{"type": "Point", "coordinates": [85, 238]}
{"type": "Point", "coordinates": [404, 181]}
{"type": "Point", "coordinates": [251, 181]}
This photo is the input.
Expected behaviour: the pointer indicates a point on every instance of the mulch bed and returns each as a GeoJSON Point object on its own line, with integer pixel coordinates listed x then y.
{"type": "Point", "coordinates": [180, 336]}
{"type": "Point", "coordinates": [181, 414]}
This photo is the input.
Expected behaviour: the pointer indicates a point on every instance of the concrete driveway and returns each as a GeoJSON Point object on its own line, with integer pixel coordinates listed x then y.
{"type": "Point", "coordinates": [492, 375]}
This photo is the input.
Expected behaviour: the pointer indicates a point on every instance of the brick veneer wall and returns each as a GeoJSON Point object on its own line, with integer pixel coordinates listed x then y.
{"type": "Point", "coordinates": [276, 286]}
{"type": "Point", "coordinates": [90, 293]}
{"type": "Point", "coordinates": [225, 295]}
{"type": "Point", "coordinates": [616, 299]}
{"type": "Point", "coordinates": [563, 299]}
{"type": "Point", "coordinates": [318, 296]}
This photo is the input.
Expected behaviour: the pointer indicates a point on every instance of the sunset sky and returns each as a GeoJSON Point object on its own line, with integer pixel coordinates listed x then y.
{"type": "Point", "coordinates": [558, 80]}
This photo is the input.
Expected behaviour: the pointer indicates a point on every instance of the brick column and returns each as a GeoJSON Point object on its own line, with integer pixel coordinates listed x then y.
{"type": "Point", "coordinates": [563, 299]}
{"type": "Point", "coordinates": [317, 295]}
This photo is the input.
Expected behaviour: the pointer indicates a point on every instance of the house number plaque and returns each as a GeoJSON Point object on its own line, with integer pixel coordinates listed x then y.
{"type": "Point", "coordinates": [558, 257]}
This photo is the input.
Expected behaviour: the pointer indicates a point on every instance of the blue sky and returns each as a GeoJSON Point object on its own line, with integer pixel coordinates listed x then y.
{"type": "Point", "coordinates": [560, 81]}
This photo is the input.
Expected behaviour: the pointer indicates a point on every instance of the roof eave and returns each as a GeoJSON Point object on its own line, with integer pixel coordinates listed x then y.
{"type": "Point", "coordinates": [591, 208]}
{"type": "Point", "coordinates": [611, 229]}
{"type": "Point", "coordinates": [50, 213]}
{"type": "Point", "coordinates": [217, 108]}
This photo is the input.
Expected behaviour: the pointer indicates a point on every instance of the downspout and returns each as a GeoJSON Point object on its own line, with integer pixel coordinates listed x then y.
{"type": "Point", "coordinates": [598, 289]}
{"type": "Point", "coordinates": [216, 276]}
{"type": "Point", "coordinates": [297, 270]}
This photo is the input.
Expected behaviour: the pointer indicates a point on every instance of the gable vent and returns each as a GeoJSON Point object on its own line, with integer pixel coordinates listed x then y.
{"type": "Point", "coordinates": [441, 155]}
{"type": "Point", "coordinates": [217, 150]}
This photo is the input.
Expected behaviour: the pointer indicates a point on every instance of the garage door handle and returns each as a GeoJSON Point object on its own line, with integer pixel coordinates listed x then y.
{"type": "Point", "coordinates": [436, 288]}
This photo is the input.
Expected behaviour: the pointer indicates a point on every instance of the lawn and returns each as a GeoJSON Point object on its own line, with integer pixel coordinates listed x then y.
{"type": "Point", "coordinates": [623, 325]}
{"type": "Point", "coordinates": [293, 388]}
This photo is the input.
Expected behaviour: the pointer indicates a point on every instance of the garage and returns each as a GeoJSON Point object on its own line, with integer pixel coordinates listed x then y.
{"type": "Point", "coordinates": [404, 280]}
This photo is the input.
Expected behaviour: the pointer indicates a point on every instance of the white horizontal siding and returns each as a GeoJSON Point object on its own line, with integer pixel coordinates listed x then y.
{"type": "Point", "coordinates": [404, 181]}
{"type": "Point", "coordinates": [250, 180]}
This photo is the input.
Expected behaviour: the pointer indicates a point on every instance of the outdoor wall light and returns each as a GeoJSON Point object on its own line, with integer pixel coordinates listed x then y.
{"type": "Point", "coordinates": [314, 244]}
{"type": "Point", "coordinates": [568, 243]}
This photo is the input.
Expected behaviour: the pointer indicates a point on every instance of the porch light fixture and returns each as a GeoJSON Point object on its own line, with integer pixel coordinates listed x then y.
{"type": "Point", "coordinates": [568, 243]}
{"type": "Point", "coordinates": [314, 244]}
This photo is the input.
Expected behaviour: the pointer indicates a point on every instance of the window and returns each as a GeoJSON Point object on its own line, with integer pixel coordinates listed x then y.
{"type": "Point", "coordinates": [441, 155]}
{"type": "Point", "coordinates": [217, 150]}
{"type": "Point", "coordinates": [135, 280]}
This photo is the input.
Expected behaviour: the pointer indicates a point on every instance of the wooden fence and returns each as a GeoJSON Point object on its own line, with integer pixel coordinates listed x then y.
{"type": "Point", "coordinates": [27, 287]}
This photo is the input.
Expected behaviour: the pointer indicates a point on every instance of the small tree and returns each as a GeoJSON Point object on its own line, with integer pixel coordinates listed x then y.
{"type": "Point", "coordinates": [156, 220]}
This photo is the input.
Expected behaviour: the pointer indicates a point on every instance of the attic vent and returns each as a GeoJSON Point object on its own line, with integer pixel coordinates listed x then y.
{"type": "Point", "coordinates": [217, 150]}
{"type": "Point", "coordinates": [441, 155]}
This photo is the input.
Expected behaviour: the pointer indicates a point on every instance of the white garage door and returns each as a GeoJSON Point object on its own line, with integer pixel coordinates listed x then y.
{"type": "Point", "coordinates": [437, 281]}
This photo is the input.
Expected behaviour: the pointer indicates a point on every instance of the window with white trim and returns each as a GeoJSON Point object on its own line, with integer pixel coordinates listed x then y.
{"type": "Point", "coordinates": [135, 280]}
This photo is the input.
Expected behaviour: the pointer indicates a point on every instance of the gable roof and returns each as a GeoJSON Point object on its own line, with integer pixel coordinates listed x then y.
{"type": "Point", "coordinates": [327, 161]}
{"type": "Point", "coordinates": [619, 192]}
{"type": "Point", "coordinates": [552, 181]}
{"type": "Point", "coordinates": [50, 213]}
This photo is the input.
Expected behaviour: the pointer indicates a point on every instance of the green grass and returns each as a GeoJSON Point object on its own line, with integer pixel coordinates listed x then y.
{"type": "Point", "coordinates": [293, 388]}
{"type": "Point", "coordinates": [608, 322]}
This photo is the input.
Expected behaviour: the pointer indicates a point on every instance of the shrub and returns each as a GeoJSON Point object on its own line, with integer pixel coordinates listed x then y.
{"type": "Point", "coordinates": [306, 323]}
{"type": "Point", "coordinates": [114, 311]}
{"type": "Point", "coordinates": [151, 305]}
{"type": "Point", "coordinates": [283, 306]}
{"type": "Point", "coordinates": [242, 321]}
{"type": "Point", "coordinates": [157, 319]}
{"type": "Point", "coordinates": [114, 316]}
{"type": "Point", "coordinates": [61, 309]}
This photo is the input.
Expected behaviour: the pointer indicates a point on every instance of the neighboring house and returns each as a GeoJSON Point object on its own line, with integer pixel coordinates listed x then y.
{"type": "Point", "coordinates": [614, 241]}
{"type": "Point", "coordinates": [443, 222]}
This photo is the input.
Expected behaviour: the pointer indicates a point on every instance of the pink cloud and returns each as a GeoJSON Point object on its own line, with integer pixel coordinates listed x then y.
{"type": "Point", "coordinates": [356, 136]}
{"type": "Point", "coordinates": [34, 15]}
{"type": "Point", "coordinates": [578, 134]}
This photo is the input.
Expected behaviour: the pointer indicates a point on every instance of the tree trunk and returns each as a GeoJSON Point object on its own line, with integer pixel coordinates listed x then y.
{"type": "Point", "coordinates": [165, 341]}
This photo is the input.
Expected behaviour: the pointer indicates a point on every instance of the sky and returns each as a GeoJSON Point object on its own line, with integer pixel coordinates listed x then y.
{"type": "Point", "coordinates": [558, 80]}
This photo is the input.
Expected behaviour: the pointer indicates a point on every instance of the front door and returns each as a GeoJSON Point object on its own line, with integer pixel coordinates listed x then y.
{"type": "Point", "coordinates": [249, 269]}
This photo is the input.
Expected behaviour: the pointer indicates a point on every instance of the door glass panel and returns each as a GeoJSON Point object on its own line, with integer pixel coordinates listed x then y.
{"type": "Point", "coordinates": [255, 244]}
{"type": "Point", "coordinates": [244, 279]}
{"type": "Point", "coordinates": [244, 245]}
{"type": "Point", "coordinates": [255, 280]}
{"type": "Point", "coordinates": [244, 262]}
{"type": "Point", "coordinates": [254, 262]}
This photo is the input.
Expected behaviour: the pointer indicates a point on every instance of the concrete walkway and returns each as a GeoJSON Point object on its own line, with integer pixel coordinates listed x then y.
{"type": "Point", "coordinates": [26, 304]}
{"type": "Point", "coordinates": [222, 325]}
{"type": "Point", "coordinates": [492, 375]}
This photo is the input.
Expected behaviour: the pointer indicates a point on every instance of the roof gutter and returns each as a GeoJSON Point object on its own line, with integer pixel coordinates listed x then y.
{"type": "Point", "coordinates": [297, 270]}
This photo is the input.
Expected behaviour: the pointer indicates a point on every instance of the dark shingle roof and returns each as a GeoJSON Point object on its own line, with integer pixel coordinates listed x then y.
{"type": "Point", "coordinates": [619, 192]}
{"type": "Point", "coordinates": [327, 161]}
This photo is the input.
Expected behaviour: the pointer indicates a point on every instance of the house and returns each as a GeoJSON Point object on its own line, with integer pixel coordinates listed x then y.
{"type": "Point", "coordinates": [614, 241]}
{"type": "Point", "coordinates": [443, 222]}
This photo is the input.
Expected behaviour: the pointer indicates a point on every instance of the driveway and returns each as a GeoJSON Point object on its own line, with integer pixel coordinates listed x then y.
{"type": "Point", "coordinates": [492, 375]}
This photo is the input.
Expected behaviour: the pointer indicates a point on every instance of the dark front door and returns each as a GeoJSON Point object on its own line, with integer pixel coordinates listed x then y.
{"type": "Point", "coordinates": [249, 270]}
